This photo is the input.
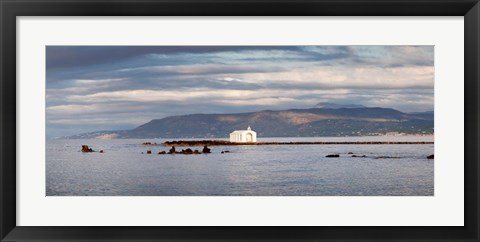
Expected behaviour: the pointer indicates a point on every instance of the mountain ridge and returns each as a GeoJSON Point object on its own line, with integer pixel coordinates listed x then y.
{"type": "Point", "coordinates": [345, 121]}
{"type": "Point", "coordinates": [336, 105]}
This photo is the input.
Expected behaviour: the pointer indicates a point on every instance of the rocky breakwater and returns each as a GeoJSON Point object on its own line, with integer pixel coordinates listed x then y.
{"type": "Point", "coordinates": [228, 143]}
{"type": "Point", "coordinates": [204, 143]}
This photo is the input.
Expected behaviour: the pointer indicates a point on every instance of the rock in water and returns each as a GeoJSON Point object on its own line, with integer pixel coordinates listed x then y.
{"type": "Point", "coordinates": [332, 156]}
{"type": "Point", "coordinates": [430, 157]}
{"type": "Point", "coordinates": [205, 149]}
{"type": "Point", "coordinates": [149, 151]}
{"type": "Point", "coordinates": [162, 152]}
{"type": "Point", "coordinates": [172, 150]}
{"type": "Point", "coordinates": [387, 157]}
{"type": "Point", "coordinates": [359, 156]}
{"type": "Point", "coordinates": [101, 151]}
{"type": "Point", "coordinates": [85, 148]}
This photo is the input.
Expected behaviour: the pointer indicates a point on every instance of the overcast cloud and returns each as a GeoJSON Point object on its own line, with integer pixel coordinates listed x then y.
{"type": "Point", "coordinates": [91, 88]}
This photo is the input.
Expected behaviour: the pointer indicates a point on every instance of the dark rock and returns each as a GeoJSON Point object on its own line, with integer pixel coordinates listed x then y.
{"type": "Point", "coordinates": [359, 156]}
{"type": "Point", "coordinates": [162, 152]}
{"type": "Point", "coordinates": [101, 151]}
{"type": "Point", "coordinates": [332, 156]}
{"type": "Point", "coordinates": [430, 157]}
{"type": "Point", "coordinates": [85, 148]}
{"type": "Point", "coordinates": [387, 157]}
{"type": "Point", "coordinates": [149, 151]}
{"type": "Point", "coordinates": [350, 153]}
{"type": "Point", "coordinates": [205, 149]}
{"type": "Point", "coordinates": [149, 143]}
{"type": "Point", "coordinates": [187, 151]}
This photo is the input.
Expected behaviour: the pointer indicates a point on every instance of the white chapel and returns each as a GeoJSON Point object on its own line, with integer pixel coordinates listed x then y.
{"type": "Point", "coordinates": [243, 135]}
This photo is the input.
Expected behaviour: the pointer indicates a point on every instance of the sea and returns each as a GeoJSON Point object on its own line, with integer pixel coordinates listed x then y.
{"type": "Point", "coordinates": [125, 169]}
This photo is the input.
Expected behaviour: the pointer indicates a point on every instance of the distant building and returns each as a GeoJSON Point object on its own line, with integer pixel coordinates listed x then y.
{"type": "Point", "coordinates": [243, 135]}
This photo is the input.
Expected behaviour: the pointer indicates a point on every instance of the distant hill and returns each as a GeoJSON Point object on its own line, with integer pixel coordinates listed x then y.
{"type": "Point", "coordinates": [336, 105]}
{"type": "Point", "coordinates": [423, 115]}
{"type": "Point", "coordinates": [286, 123]}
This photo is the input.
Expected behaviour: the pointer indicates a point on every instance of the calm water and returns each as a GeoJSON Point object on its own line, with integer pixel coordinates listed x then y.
{"type": "Point", "coordinates": [271, 170]}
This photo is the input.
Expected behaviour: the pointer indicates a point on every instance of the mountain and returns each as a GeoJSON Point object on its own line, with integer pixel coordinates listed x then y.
{"type": "Point", "coordinates": [336, 105]}
{"type": "Point", "coordinates": [423, 115]}
{"type": "Point", "coordinates": [285, 123]}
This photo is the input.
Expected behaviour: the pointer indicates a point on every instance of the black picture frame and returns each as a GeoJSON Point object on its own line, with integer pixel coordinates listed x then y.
{"type": "Point", "coordinates": [10, 9]}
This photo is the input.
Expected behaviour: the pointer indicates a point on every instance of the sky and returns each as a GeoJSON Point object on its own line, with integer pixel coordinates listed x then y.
{"type": "Point", "coordinates": [92, 88]}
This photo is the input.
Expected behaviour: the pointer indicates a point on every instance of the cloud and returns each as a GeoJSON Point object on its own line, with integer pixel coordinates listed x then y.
{"type": "Point", "coordinates": [344, 77]}
{"type": "Point", "coordinates": [192, 95]}
{"type": "Point", "coordinates": [202, 69]}
{"type": "Point", "coordinates": [393, 56]}
{"type": "Point", "coordinates": [74, 56]}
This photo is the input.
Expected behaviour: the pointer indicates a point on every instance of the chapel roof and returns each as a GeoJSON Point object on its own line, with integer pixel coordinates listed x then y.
{"type": "Point", "coordinates": [243, 131]}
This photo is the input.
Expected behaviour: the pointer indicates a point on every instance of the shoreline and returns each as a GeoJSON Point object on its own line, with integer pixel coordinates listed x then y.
{"type": "Point", "coordinates": [228, 143]}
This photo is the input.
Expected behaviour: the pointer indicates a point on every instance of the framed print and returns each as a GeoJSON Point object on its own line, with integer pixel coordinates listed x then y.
{"type": "Point", "coordinates": [225, 120]}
